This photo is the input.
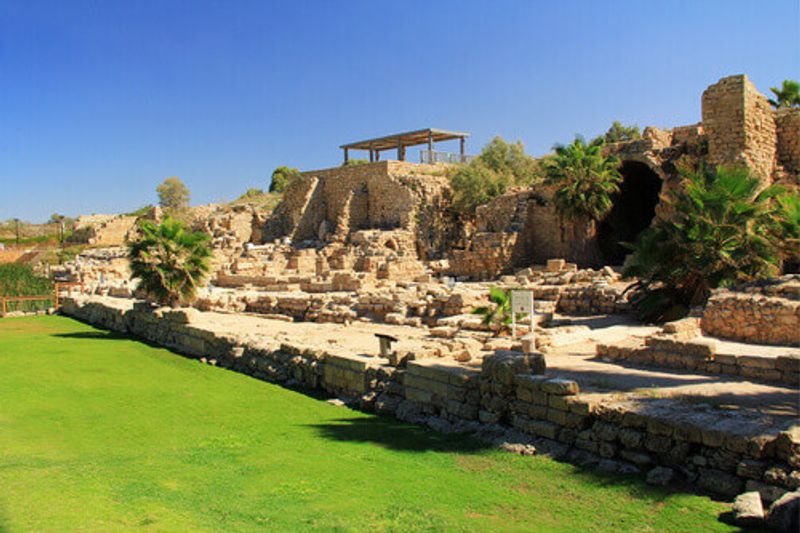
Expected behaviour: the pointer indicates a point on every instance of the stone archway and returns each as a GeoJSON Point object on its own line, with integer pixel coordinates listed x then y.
{"type": "Point", "coordinates": [633, 211]}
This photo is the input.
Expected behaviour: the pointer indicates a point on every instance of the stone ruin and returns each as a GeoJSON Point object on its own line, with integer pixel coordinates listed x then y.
{"type": "Point", "coordinates": [738, 127]}
{"type": "Point", "coordinates": [103, 230]}
{"type": "Point", "coordinates": [375, 248]}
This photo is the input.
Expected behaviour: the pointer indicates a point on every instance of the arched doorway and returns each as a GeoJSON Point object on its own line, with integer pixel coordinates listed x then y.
{"type": "Point", "coordinates": [633, 211]}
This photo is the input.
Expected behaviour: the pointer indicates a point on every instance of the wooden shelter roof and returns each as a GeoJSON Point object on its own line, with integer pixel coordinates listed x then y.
{"type": "Point", "coordinates": [409, 138]}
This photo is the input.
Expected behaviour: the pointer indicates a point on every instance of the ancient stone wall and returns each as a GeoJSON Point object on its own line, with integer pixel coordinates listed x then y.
{"type": "Point", "coordinates": [519, 229]}
{"type": "Point", "coordinates": [329, 204]}
{"type": "Point", "coordinates": [739, 125]}
{"type": "Point", "coordinates": [767, 313]}
{"type": "Point", "coordinates": [721, 452]}
{"type": "Point", "coordinates": [103, 230]}
{"type": "Point", "coordinates": [788, 129]}
{"type": "Point", "coordinates": [700, 354]}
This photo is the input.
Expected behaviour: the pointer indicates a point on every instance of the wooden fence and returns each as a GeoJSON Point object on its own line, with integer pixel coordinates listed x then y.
{"type": "Point", "coordinates": [57, 289]}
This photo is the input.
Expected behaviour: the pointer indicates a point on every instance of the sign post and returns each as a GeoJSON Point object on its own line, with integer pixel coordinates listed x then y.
{"type": "Point", "coordinates": [521, 303]}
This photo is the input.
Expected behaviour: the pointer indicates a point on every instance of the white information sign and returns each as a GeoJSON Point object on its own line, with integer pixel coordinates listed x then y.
{"type": "Point", "coordinates": [521, 303]}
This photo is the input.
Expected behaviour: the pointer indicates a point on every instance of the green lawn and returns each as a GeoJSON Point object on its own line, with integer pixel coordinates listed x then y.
{"type": "Point", "coordinates": [99, 432]}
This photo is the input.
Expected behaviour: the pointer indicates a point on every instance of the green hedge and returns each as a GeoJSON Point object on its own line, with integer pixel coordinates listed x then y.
{"type": "Point", "coordinates": [21, 280]}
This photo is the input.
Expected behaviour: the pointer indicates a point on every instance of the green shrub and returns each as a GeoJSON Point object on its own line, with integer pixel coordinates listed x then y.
{"type": "Point", "coordinates": [510, 160]}
{"type": "Point", "coordinates": [476, 184]}
{"type": "Point", "coordinates": [21, 280]}
{"type": "Point", "coordinates": [619, 133]}
{"type": "Point", "coordinates": [281, 177]}
{"type": "Point", "coordinates": [723, 231]}
{"type": "Point", "coordinates": [142, 211]}
{"type": "Point", "coordinates": [499, 166]}
{"type": "Point", "coordinates": [355, 162]}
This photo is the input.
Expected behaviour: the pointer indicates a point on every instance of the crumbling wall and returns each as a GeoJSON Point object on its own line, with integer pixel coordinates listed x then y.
{"type": "Point", "coordinates": [788, 128]}
{"type": "Point", "coordinates": [328, 205]}
{"type": "Point", "coordinates": [297, 212]}
{"type": "Point", "coordinates": [767, 312]}
{"type": "Point", "coordinates": [739, 124]}
{"type": "Point", "coordinates": [103, 230]}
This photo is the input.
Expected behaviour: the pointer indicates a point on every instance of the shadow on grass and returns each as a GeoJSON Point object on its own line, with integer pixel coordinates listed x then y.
{"type": "Point", "coordinates": [389, 433]}
{"type": "Point", "coordinates": [104, 335]}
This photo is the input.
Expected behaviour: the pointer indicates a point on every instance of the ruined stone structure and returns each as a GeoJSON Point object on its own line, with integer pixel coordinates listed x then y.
{"type": "Point", "coordinates": [328, 205]}
{"type": "Point", "coordinates": [738, 128]}
{"type": "Point", "coordinates": [103, 230]}
{"type": "Point", "coordinates": [522, 227]}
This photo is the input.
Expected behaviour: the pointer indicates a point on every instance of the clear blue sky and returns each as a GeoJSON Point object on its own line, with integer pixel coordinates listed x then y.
{"type": "Point", "coordinates": [100, 101]}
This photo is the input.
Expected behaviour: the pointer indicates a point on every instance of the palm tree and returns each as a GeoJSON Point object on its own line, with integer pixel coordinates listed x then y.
{"type": "Point", "coordinates": [585, 179]}
{"type": "Point", "coordinates": [787, 96]}
{"type": "Point", "coordinates": [725, 230]}
{"type": "Point", "coordinates": [585, 184]}
{"type": "Point", "coordinates": [170, 261]}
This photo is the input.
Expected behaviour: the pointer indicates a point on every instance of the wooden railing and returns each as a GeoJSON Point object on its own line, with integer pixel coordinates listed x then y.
{"type": "Point", "coordinates": [55, 297]}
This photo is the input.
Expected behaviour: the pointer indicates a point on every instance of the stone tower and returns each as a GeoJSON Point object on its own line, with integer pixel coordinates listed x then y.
{"type": "Point", "coordinates": [740, 126]}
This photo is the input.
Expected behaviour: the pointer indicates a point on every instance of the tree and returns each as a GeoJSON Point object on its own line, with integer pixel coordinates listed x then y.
{"type": "Point", "coordinates": [173, 194]}
{"type": "Point", "coordinates": [619, 133]}
{"type": "Point", "coordinates": [724, 230]}
{"type": "Point", "coordinates": [281, 177]}
{"type": "Point", "coordinates": [170, 261]}
{"type": "Point", "coordinates": [476, 184]}
{"type": "Point", "coordinates": [585, 180]}
{"type": "Point", "coordinates": [489, 175]}
{"type": "Point", "coordinates": [510, 160]}
{"type": "Point", "coordinates": [787, 96]}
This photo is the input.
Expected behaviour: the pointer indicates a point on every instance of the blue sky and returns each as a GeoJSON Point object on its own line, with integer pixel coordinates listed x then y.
{"type": "Point", "coordinates": [101, 100]}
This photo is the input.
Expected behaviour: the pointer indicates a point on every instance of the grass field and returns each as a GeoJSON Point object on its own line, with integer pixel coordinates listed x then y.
{"type": "Point", "coordinates": [102, 433]}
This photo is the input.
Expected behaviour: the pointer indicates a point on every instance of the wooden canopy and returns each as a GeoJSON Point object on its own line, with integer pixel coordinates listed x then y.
{"type": "Point", "coordinates": [401, 141]}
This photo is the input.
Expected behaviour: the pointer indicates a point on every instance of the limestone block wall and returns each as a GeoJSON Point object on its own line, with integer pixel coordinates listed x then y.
{"type": "Point", "coordinates": [700, 354]}
{"type": "Point", "coordinates": [768, 314]}
{"type": "Point", "coordinates": [719, 451]}
{"type": "Point", "coordinates": [330, 203]}
{"type": "Point", "coordinates": [739, 125]}
{"type": "Point", "coordinates": [298, 214]}
{"type": "Point", "coordinates": [487, 256]}
{"type": "Point", "coordinates": [103, 230]}
{"type": "Point", "coordinates": [548, 236]}
{"type": "Point", "coordinates": [788, 129]}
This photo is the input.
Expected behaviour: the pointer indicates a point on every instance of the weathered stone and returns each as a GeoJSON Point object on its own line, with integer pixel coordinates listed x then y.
{"type": "Point", "coordinates": [748, 510]}
{"type": "Point", "coordinates": [638, 458]}
{"type": "Point", "coordinates": [775, 476]}
{"type": "Point", "coordinates": [784, 514]}
{"type": "Point", "coordinates": [606, 449]}
{"type": "Point", "coordinates": [660, 475]}
{"type": "Point", "coordinates": [605, 431]}
{"type": "Point", "coordinates": [564, 387]}
{"type": "Point", "coordinates": [630, 438]}
{"type": "Point", "coordinates": [750, 469]}
{"type": "Point", "coordinates": [658, 444]}
{"type": "Point", "coordinates": [721, 483]}
{"type": "Point", "coordinates": [769, 493]}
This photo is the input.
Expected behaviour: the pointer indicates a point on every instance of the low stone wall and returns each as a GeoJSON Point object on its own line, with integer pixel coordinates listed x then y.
{"type": "Point", "coordinates": [719, 451]}
{"type": "Point", "coordinates": [766, 313]}
{"type": "Point", "coordinates": [593, 300]}
{"type": "Point", "coordinates": [700, 355]}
